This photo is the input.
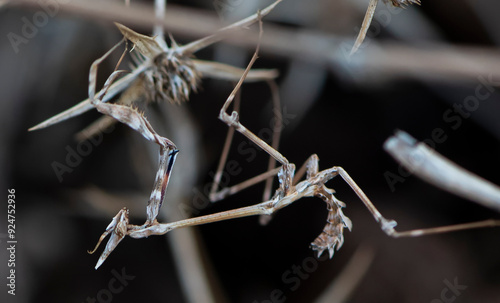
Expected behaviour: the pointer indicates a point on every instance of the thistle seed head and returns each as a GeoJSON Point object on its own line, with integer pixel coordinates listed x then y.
{"type": "Point", "coordinates": [172, 77]}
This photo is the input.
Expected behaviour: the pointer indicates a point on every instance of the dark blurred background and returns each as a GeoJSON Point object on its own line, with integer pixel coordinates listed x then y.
{"type": "Point", "coordinates": [409, 75]}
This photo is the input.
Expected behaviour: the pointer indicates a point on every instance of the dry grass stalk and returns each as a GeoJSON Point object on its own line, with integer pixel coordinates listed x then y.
{"type": "Point", "coordinates": [370, 11]}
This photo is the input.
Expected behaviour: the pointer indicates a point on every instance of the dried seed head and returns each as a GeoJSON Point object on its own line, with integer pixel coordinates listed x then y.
{"type": "Point", "coordinates": [172, 77]}
{"type": "Point", "coordinates": [171, 74]}
{"type": "Point", "coordinates": [403, 3]}
{"type": "Point", "coordinates": [332, 236]}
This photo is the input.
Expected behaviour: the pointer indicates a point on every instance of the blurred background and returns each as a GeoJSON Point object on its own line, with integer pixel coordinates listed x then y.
{"type": "Point", "coordinates": [420, 70]}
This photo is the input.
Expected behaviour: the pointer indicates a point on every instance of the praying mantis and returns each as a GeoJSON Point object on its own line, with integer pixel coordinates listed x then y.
{"type": "Point", "coordinates": [171, 75]}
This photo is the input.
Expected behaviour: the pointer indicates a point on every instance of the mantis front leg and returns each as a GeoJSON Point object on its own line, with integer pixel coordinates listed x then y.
{"type": "Point", "coordinates": [168, 152]}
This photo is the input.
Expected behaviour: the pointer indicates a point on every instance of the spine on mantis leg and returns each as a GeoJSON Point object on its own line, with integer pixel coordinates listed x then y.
{"type": "Point", "coordinates": [332, 237]}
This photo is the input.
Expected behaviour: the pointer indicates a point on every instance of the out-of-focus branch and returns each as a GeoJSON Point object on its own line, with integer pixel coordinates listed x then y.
{"type": "Point", "coordinates": [438, 60]}
{"type": "Point", "coordinates": [342, 288]}
{"type": "Point", "coordinates": [160, 8]}
{"type": "Point", "coordinates": [432, 167]}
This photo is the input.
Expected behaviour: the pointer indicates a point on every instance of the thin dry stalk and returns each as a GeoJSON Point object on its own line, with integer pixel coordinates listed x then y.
{"type": "Point", "coordinates": [160, 9]}
{"type": "Point", "coordinates": [370, 11]}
